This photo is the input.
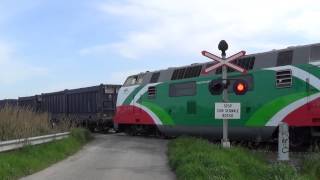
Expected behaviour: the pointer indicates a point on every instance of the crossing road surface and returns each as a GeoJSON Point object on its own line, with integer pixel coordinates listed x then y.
{"type": "Point", "coordinates": [114, 157]}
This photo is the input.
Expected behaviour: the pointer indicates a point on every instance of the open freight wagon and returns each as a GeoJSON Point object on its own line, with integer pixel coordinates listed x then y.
{"type": "Point", "coordinates": [92, 107]}
{"type": "Point", "coordinates": [8, 102]}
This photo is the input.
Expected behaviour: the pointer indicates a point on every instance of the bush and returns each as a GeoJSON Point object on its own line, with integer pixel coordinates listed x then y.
{"type": "Point", "coordinates": [311, 166]}
{"type": "Point", "coordinates": [20, 122]}
{"type": "Point", "coordinates": [283, 172]}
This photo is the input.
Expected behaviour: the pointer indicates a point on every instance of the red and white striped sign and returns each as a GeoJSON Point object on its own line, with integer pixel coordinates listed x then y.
{"type": "Point", "coordinates": [224, 62]}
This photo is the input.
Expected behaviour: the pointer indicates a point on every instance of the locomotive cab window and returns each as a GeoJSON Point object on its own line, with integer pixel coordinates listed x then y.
{"type": "Point", "coordinates": [140, 79]}
{"type": "Point", "coordinates": [130, 81]}
{"type": "Point", "coordinates": [133, 80]}
{"type": "Point", "coordinates": [182, 89]}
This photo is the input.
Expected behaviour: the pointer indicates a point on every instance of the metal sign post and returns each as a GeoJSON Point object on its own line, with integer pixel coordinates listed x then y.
{"type": "Point", "coordinates": [224, 63]}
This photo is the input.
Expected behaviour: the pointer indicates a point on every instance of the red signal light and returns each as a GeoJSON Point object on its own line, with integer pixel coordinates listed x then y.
{"type": "Point", "coordinates": [240, 87]}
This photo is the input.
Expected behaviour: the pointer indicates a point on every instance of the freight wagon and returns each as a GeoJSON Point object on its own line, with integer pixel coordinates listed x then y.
{"type": "Point", "coordinates": [30, 102]}
{"type": "Point", "coordinates": [283, 86]}
{"type": "Point", "coordinates": [92, 107]}
{"type": "Point", "coordinates": [8, 102]}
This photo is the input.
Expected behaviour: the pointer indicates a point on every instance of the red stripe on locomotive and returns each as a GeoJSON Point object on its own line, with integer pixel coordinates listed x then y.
{"type": "Point", "coordinates": [306, 115]}
{"type": "Point", "coordinates": [128, 114]}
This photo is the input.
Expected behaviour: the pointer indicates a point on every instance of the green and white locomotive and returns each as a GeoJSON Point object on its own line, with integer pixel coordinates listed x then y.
{"type": "Point", "coordinates": [282, 86]}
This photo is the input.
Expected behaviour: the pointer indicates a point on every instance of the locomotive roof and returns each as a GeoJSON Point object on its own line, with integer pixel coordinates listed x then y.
{"type": "Point", "coordinates": [248, 55]}
{"type": "Point", "coordinates": [291, 55]}
{"type": "Point", "coordinates": [286, 49]}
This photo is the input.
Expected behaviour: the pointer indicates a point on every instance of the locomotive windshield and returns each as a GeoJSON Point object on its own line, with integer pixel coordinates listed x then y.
{"type": "Point", "coordinates": [133, 80]}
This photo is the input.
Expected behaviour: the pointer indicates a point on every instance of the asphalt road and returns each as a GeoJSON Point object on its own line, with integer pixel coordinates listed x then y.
{"type": "Point", "coordinates": [113, 156]}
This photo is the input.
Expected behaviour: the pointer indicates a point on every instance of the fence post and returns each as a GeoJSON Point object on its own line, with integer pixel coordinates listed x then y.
{"type": "Point", "coordinates": [283, 142]}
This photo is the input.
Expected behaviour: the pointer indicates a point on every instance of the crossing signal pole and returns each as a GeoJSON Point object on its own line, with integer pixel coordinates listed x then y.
{"type": "Point", "coordinates": [240, 87]}
{"type": "Point", "coordinates": [223, 47]}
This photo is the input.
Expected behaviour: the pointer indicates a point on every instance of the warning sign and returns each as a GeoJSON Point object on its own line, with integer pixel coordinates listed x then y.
{"type": "Point", "coordinates": [227, 110]}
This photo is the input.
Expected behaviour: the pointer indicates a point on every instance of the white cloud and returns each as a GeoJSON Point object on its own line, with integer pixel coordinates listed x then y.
{"type": "Point", "coordinates": [187, 27]}
{"type": "Point", "coordinates": [306, 23]}
{"type": "Point", "coordinates": [12, 70]}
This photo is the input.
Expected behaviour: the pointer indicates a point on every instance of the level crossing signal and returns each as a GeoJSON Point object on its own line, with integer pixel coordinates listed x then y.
{"type": "Point", "coordinates": [224, 62]}
{"type": "Point", "coordinates": [239, 86]}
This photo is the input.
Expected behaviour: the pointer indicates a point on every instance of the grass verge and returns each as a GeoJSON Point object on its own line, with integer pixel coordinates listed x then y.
{"type": "Point", "coordinates": [311, 166]}
{"type": "Point", "coordinates": [19, 163]}
{"type": "Point", "coordinates": [194, 159]}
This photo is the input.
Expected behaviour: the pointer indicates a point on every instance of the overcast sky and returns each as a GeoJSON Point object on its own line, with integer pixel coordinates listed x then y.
{"type": "Point", "coordinates": [55, 45]}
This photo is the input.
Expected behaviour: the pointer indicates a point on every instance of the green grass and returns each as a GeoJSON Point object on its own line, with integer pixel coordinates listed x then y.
{"type": "Point", "coordinates": [311, 166]}
{"type": "Point", "coordinates": [196, 159]}
{"type": "Point", "coordinates": [19, 163]}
